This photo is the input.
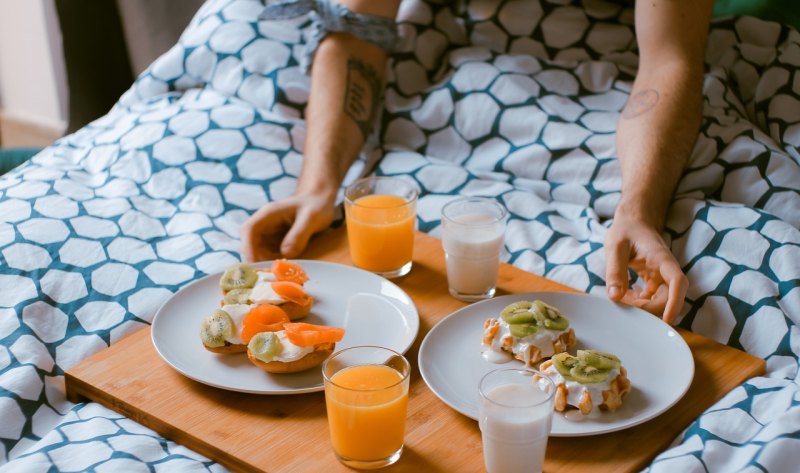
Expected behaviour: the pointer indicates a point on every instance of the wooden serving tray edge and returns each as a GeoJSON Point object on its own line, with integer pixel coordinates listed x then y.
{"type": "Point", "coordinates": [263, 430]}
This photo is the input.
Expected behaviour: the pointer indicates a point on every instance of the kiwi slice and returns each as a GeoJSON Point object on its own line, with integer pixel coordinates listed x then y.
{"type": "Point", "coordinates": [564, 362]}
{"type": "Point", "coordinates": [523, 330]}
{"type": "Point", "coordinates": [238, 276]}
{"type": "Point", "coordinates": [599, 359]}
{"type": "Point", "coordinates": [518, 313]}
{"type": "Point", "coordinates": [215, 328]}
{"type": "Point", "coordinates": [586, 374]}
{"type": "Point", "coordinates": [561, 323]}
{"type": "Point", "coordinates": [237, 296]}
{"type": "Point", "coordinates": [549, 317]}
{"type": "Point", "coordinates": [265, 346]}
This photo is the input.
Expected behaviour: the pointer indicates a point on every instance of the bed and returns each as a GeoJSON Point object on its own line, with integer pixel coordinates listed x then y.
{"type": "Point", "coordinates": [510, 99]}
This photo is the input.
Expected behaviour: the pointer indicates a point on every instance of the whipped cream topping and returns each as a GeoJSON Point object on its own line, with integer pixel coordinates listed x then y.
{"type": "Point", "coordinates": [262, 292]}
{"type": "Point", "coordinates": [575, 389]}
{"type": "Point", "coordinates": [237, 313]}
{"type": "Point", "coordinates": [543, 340]}
{"type": "Point", "coordinates": [290, 351]}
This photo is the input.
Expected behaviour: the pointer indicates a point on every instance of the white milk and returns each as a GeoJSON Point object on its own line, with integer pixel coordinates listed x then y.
{"type": "Point", "coordinates": [472, 250]}
{"type": "Point", "coordinates": [515, 438]}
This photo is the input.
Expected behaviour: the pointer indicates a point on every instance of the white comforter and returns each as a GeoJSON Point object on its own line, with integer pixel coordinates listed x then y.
{"type": "Point", "coordinates": [514, 99]}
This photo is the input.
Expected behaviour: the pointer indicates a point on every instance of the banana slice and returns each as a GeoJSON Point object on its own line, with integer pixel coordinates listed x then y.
{"type": "Point", "coordinates": [599, 359]}
{"type": "Point", "coordinates": [265, 346]}
{"type": "Point", "coordinates": [238, 276]}
{"type": "Point", "coordinates": [215, 328]}
{"type": "Point", "coordinates": [237, 296]}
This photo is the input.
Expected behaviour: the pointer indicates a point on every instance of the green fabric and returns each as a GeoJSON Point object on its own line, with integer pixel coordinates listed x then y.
{"type": "Point", "coordinates": [13, 157]}
{"type": "Point", "coordinates": [782, 11]}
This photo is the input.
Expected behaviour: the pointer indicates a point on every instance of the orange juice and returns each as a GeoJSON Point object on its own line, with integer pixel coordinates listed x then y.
{"type": "Point", "coordinates": [380, 229]}
{"type": "Point", "coordinates": [367, 411]}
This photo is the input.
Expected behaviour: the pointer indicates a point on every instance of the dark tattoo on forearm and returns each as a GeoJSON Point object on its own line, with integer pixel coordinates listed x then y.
{"type": "Point", "coordinates": [641, 102]}
{"type": "Point", "coordinates": [362, 95]}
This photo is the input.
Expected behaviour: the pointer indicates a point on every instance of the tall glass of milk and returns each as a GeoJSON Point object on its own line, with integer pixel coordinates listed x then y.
{"type": "Point", "coordinates": [515, 417]}
{"type": "Point", "coordinates": [472, 234]}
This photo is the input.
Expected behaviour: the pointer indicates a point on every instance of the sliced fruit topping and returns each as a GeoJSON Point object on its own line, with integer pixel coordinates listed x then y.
{"type": "Point", "coordinates": [263, 318]}
{"type": "Point", "coordinates": [599, 359]}
{"type": "Point", "coordinates": [564, 362]}
{"type": "Point", "coordinates": [293, 292]}
{"type": "Point", "coordinates": [285, 270]}
{"type": "Point", "coordinates": [549, 317]}
{"type": "Point", "coordinates": [586, 374]}
{"type": "Point", "coordinates": [238, 276]}
{"type": "Point", "coordinates": [561, 323]}
{"type": "Point", "coordinates": [523, 330]}
{"type": "Point", "coordinates": [265, 346]}
{"type": "Point", "coordinates": [216, 328]}
{"type": "Point", "coordinates": [307, 335]}
{"type": "Point", "coordinates": [237, 296]}
{"type": "Point", "coordinates": [518, 313]}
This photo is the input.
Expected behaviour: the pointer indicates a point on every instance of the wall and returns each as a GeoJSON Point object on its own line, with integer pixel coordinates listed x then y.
{"type": "Point", "coordinates": [33, 88]}
{"type": "Point", "coordinates": [152, 26]}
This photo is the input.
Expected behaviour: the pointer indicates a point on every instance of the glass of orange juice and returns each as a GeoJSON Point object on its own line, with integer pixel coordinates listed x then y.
{"type": "Point", "coordinates": [366, 394]}
{"type": "Point", "coordinates": [381, 215]}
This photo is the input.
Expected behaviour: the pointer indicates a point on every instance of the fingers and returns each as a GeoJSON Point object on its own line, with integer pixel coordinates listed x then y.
{"type": "Point", "coordinates": [617, 257]}
{"type": "Point", "coordinates": [665, 285]}
{"type": "Point", "coordinates": [262, 233]}
{"type": "Point", "coordinates": [678, 285]}
{"type": "Point", "coordinates": [297, 237]}
{"type": "Point", "coordinates": [245, 237]}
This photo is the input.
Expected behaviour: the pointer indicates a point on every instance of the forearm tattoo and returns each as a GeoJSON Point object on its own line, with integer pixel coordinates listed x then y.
{"type": "Point", "coordinates": [640, 103]}
{"type": "Point", "coordinates": [362, 95]}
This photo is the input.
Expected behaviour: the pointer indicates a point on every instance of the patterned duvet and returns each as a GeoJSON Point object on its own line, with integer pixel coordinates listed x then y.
{"type": "Point", "coordinates": [513, 99]}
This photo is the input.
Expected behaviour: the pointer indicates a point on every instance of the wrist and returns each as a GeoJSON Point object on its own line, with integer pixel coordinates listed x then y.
{"type": "Point", "coordinates": [318, 188]}
{"type": "Point", "coordinates": [641, 210]}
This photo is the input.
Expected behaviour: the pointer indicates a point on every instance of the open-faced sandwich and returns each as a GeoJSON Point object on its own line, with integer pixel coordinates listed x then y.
{"type": "Point", "coordinates": [229, 329]}
{"type": "Point", "coordinates": [591, 379]}
{"type": "Point", "coordinates": [258, 306]}
{"type": "Point", "coordinates": [269, 296]}
{"type": "Point", "coordinates": [280, 285]}
{"type": "Point", "coordinates": [530, 331]}
{"type": "Point", "coordinates": [297, 347]}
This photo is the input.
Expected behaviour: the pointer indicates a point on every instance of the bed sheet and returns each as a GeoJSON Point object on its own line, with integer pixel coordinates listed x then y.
{"type": "Point", "coordinates": [513, 99]}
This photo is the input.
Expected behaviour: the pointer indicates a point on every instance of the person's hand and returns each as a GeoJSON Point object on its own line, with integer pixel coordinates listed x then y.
{"type": "Point", "coordinates": [635, 244]}
{"type": "Point", "coordinates": [283, 228]}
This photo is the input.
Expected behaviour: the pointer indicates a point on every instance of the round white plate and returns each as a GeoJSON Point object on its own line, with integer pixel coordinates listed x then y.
{"type": "Point", "coordinates": [371, 309]}
{"type": "Point", "coordinates": [659, 363]}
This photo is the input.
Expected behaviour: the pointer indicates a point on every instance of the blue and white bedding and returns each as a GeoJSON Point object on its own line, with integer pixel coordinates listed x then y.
{"type": "Point", "coordinates": [514, 99]}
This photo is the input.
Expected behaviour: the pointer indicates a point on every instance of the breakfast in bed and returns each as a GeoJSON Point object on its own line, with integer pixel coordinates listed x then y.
{"type": "Point", "coordinates": [256, 317]}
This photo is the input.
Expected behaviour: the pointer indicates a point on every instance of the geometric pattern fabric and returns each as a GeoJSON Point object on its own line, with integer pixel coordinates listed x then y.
{"type": "Point", "coordinates": [511, 99]}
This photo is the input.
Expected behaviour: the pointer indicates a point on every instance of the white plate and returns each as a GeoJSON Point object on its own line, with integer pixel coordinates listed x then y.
{"type": "Point", "coordinates": [372, 310]}
{"type": "Point", "coordinates": [659, 363]}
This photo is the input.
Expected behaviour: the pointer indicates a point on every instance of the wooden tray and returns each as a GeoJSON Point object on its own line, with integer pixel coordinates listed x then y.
{"type": "Point", "coordinates": [289, 433]}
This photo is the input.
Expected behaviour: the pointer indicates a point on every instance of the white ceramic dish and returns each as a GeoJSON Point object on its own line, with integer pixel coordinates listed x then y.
{"type": "Point", "coordinates": [371, 309]}
{"type": "Point", "coordinates": [659, 362]}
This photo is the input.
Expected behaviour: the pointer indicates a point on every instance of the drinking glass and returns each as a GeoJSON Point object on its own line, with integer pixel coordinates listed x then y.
{"type": "Point", "coordinates": [515, 417]}
{"type": "Point", "coordinates": [366, 394]}
{"type": "Point", "coordinates": [472, 235]}
{"type": "Point", "coordinates": [380, 213]}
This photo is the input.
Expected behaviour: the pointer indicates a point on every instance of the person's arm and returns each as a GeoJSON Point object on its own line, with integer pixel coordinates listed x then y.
{"type": "Point", "coordinates": [655, 136]}
{"type": "Point", "coordinates": [346, 86]}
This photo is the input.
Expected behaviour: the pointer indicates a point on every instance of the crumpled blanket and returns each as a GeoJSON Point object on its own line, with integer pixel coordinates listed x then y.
{"type": "Point", "coordinates": [515, 99]}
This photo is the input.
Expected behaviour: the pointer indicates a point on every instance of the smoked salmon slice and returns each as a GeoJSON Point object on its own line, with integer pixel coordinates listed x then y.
{"type": "Point", "coordinates": [307, 335]}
